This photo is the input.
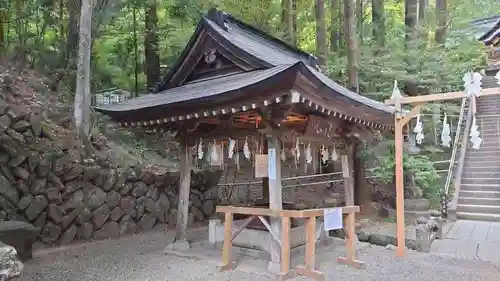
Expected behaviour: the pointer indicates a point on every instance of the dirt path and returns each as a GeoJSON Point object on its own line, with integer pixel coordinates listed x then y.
{"type": "Point", "coordinates": [142, 258]}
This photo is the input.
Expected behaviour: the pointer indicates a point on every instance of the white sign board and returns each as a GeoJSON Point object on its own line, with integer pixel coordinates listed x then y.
{"type": "Point", "coordinates": [271, 152]}
{"type": "Point", "coordinates": [261, 169]}
{"type": "Point", "coordinates": [333, 218]}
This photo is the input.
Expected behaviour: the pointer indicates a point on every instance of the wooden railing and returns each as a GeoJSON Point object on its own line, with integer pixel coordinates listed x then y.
{"type": "Point", "coordinates": [309, 268]}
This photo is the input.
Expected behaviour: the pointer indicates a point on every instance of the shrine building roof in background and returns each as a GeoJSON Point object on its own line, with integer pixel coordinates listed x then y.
{"type": "Point", "coordinates": [229, 66]}
{"type": "Point", "coordinates": [487, 29]}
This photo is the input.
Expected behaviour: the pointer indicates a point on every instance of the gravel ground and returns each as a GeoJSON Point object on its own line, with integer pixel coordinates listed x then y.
{"type": "Point", "coordinates": [142, 258]}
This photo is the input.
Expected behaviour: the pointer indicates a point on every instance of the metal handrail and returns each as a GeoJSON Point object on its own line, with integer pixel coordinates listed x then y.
{"type": "Point", "coordinates": [455, 146]}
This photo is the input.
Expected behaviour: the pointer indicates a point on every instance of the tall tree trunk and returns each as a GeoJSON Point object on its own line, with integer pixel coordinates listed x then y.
{"type": "Point", "coordinates": [60, 19]}
{"type": "Point", "coordinates": [411, 20]}
{"type": "Point", "coordinates": [294, 23]}
{"type": "Point", "coordinates": [352, 44]}
{"type": "Point", "coordinates": [422, 9]}
{"type": "Point", "coordinates": [321, 45]}
{"type": "Point", "coordinates": [99, 13]}
{"type": "Point", "coordinates": [442, 18]}
{"type": "Point", "coordinates": [287, 22]}
{"type": "Point", "coordinates": [82, 95]}
{"type": "Point", "coordinates": [152, 57]}
{"type": "Point", "coordinates": [74, 12]}
{"type": "Point", "coordinates": [136, 51]}
{"type": "Point", "coordinates": [359, 19]}
{"type": "Point", "coordinates": [411, 11]}
{"type": "Point", "coordinates": [335, 25]}
{"type": "Point", "coordinates": [2, 30]}
{"type": "Point", "coordinates": [362, 191]}
{"type": "Point", "coordinates": [378, 19]}
{"type": "Point", "coordinates": [20, 31]}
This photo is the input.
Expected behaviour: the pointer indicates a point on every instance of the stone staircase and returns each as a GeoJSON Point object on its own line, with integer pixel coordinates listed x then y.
{"type": "Point", "coordinates": [479, 197]}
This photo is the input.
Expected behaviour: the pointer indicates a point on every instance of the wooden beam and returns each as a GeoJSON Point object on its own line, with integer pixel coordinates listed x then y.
{"type": "Point", "coordinates": [184, 186]}
{"type": "Point", "coordinates": [309, 268]}
{"type": "Point", "coordinates": [350, 243]}
{"type": "Point", "coordinates": [265, 180]}
{"type": "Point", "coordinates": [410, 115]}
{"type": "Point", "coordinates": [241, 227]}
{"type": "Point", "coordinates": [347, 169]}
{"type": "Point", "coordinates": [442, 97]}
{"type": "Point", "coordinates": [275, 198]}
{"type": "Point", "coordinates": [227, 260]}
{"type": "Point", "coordinates": [285, 248]}
{"type": "Point", "coordinates": [281, 213]}
{"type": "Point", "coordinates": [400, 209]}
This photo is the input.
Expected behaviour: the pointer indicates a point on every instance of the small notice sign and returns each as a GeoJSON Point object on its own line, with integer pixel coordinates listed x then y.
{"type": "Point", "coordinates": [271, 152]}
{"type": "Point", "coordinates": [333, 218]}
{"type": "Point", "coordinates": [261, 164]}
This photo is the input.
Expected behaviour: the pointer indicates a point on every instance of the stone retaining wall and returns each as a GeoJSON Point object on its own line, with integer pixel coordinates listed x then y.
{"type": "Point", "coordinates": [47, 180]}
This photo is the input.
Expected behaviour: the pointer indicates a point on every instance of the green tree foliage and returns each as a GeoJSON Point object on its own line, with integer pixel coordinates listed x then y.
{"type": "Point", "coordinates": [37, 34]}
{"type": "Point", "coordinates": [43, 35]}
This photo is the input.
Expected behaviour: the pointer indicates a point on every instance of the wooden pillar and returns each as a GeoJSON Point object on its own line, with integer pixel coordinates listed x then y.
{"type": "Point", "coordinates": [265, 181]}
{"type": "Point", "coordinates": [180, 241]}
{"type": "Point", "coordinates": [362, 192]}
{"type": "Point", "coordinates": [400, 200]}
{"type": "Point", "coordinates": [275, 198]}
{"type": "Point", "coordinates": [347, 173]}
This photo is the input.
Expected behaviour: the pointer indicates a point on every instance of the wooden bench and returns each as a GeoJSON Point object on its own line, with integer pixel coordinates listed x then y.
{"type": "Point", "coordinates": [309, 267]}
{"type": "Point", "coordinates": [20, 235]}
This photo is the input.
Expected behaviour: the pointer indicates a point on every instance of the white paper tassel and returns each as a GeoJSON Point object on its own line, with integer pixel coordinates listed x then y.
{"type": "Point", "coordinates": [309, 157]}
{"type": "Point", "coordinates": [297, 151]}
{"type": "Point", "coordinates": [324, 155]}
{"type": "Point", "coordinates": [232, 144]}
{"type": "Point", "coordinates": [334, 155]}
{"type": "Point", "coordinates": [246, 150]}
{"type": "Point", "coordinates": [283, 154]}
{"type": "Point", "coordinates": [395, 91]}
{"type": "Point", "coordinates": [474, 135]}
{"type": "Point", "coordinates": [200, 149]}
{"type": "Point", "coordinates": [419, 131]}
{"type": "Point", "coordinates": [214, 157]}
{"type": "Point", "coordinates": [472, 83]}
{"type": "Point", "coordinates": [445, 133]}
{"type": "Point", "coordinates": [237, 161]}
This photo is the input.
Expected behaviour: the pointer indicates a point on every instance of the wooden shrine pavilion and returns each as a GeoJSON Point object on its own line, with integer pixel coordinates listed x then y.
{"type": "Point", "coordinates": [234, 81]}
{"type": "Point", "coordinates": [488, 32]}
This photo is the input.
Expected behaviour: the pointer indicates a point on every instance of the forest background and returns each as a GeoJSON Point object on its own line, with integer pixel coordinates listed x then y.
{"type": "Point", "coordinates": [427, 45]}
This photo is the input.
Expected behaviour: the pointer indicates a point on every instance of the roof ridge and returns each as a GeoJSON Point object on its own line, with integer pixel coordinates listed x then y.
{"type": "Point", "coordinates": [284, 66]}
{"type": "Point", "coordinates": [485, 37]}
{"type": "Point", "coordinates": [215, 15]}
{"type": "Point", "coordinates": [485, 19]}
